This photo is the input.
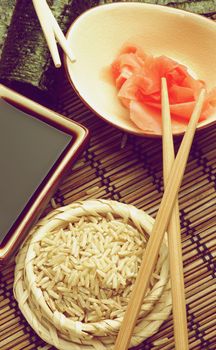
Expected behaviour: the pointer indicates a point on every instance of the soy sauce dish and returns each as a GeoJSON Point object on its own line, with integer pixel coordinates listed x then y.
{"type": "Point", "coordinates": [97, 36]}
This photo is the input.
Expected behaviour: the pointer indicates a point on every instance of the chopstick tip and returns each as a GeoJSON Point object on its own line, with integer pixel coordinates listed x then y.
{"type": "Point", "coordinates": [58, 64]}
{"type": "Point", "coordinates": [70, 55]}
{"type": "Point", "coordinates": [164, 89]}
{"type": "Point", "coordinates": [203, 92]}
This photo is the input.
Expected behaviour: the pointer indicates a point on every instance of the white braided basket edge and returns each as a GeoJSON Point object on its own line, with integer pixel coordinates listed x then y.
{"type": "Point", "coordinates": [56, 329]}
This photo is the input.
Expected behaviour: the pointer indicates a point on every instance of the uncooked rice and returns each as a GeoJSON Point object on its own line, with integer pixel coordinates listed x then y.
{"type": "Point", "coordinates": [87, 270]}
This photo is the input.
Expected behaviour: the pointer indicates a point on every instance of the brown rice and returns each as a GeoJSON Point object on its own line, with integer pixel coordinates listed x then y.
{"type": "Point", "coordinates": [87, 270]}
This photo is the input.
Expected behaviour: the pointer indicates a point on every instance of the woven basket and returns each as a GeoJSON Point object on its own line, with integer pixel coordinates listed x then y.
{"type": "Point", "coordinates": [54, 327]}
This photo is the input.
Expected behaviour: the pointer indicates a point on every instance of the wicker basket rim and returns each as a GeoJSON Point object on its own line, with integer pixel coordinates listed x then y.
{"type": "Point", "coordinates": [57, 217]}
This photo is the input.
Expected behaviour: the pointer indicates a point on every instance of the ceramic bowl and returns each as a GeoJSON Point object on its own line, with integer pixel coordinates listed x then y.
{"type": "Point", "coordinates": [98, 34]}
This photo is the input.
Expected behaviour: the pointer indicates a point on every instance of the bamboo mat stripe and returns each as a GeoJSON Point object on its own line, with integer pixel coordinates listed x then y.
{"type": "Point", "coordinates": [133, 174]}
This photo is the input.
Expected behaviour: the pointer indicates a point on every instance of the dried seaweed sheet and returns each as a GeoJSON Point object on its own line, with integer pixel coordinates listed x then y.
{"type": "Point", "coordinates": [25, 57]}
{"type": "Point", "coordinates": [203, 7]}
{"type": "Point", "coordinates": [6, 11]}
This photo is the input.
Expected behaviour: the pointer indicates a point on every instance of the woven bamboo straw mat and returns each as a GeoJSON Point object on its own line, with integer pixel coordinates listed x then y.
{"type": "Point", "coordinates": [130, 171]}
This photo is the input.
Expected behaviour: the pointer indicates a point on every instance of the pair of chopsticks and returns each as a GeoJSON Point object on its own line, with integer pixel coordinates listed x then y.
{"type": "Point", "coordinates": [52, 32]}
{"type": "Point", "coordinates": [167, 217]}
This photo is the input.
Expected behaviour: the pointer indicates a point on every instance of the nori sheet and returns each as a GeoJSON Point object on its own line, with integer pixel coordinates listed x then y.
{"type": "Point", "coordinates": [6, 11]}
{"type": "Point", "coordinates": [25, 62]}
{"type": "Point", "coordinates": [203, 7]}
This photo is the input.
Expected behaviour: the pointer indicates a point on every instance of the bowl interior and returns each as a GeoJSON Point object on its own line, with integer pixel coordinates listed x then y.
{"type": "Point", "coordinates": [97, 36]}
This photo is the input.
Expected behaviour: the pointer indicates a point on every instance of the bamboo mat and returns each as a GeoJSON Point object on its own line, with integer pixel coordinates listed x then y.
{"type": "Point", "coordinates": [133, 174]}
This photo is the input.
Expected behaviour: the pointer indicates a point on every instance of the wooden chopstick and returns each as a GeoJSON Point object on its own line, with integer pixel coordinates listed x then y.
{"type": "Point", "coordinates": [45, 22]}
{"type": "Point", "coordinates": [60, 36]}
{"type": "Point", "coordinates": [174, 233]}
{"type": "Point", "coordinates": [52, 32]}
{"type": "Point", "coordinates": [161, 222]}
